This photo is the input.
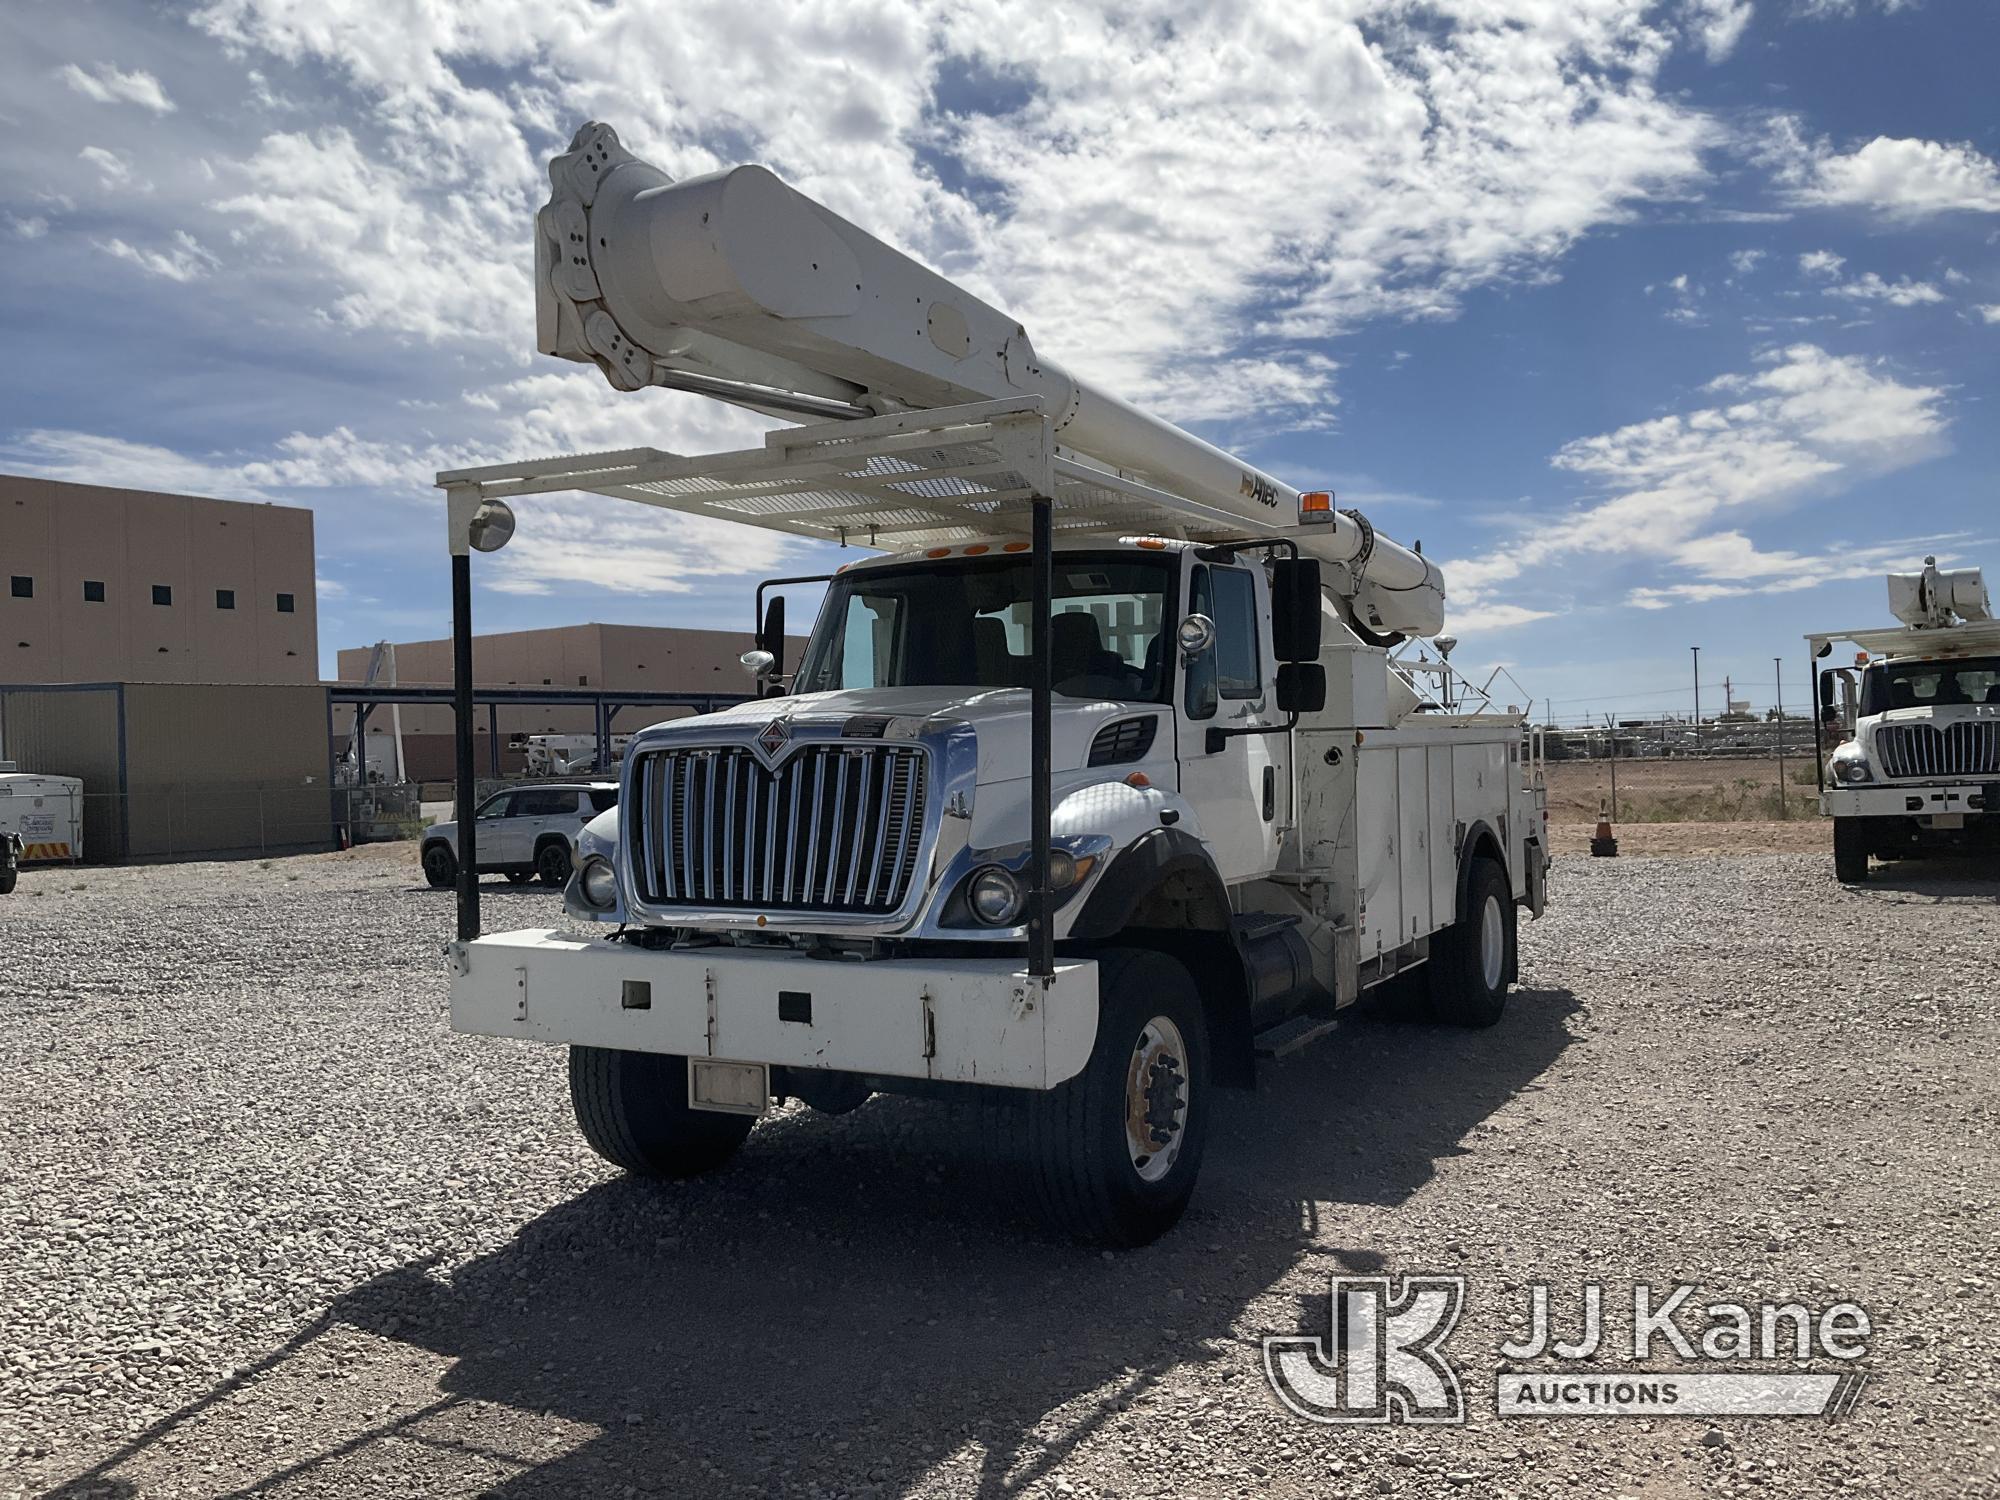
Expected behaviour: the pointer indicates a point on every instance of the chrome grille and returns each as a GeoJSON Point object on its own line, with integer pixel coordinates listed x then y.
{"type": "Point", "coordinates": [1970, 748]}
{"type": "Point", "coordinates": [837, 827]}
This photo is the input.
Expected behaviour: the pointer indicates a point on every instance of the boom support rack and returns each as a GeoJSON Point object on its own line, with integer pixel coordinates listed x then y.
{"type": "Point", "coordinates": [988, 470]}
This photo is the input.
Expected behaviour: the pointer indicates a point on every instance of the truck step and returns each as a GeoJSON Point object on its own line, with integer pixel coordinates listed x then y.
{"type": "Point", "coordinates": [1288, 1037]}
{"type": "Point", "coordinates": [1251, 925]}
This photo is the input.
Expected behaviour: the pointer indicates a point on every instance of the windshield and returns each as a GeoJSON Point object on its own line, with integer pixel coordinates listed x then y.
{"type": "Point", "coordinates": [1930, 684]}
{"type": "Point", "coordinates": [965, 624]}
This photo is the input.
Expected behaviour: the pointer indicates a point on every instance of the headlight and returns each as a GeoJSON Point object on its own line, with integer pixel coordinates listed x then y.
{"type": "Point", "coordinates": [995, 896]}
{"type": "Point", "coordinates": [598, 884]}
{"type": "Point", "coordinates": [1852, 769]}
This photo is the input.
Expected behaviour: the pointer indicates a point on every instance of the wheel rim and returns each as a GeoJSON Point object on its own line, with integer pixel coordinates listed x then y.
{"type": "Point", "coordinates": [1492, 942]}
{"type": "Point", "coordinates": [1156, 1100]}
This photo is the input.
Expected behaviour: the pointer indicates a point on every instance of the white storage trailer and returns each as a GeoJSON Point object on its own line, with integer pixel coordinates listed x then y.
{"type": "Point", "coordinates": [46, 813]}
{"type": "Point", "coordinates": [1102, 782]}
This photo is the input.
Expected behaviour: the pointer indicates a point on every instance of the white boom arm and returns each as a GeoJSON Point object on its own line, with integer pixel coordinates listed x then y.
{"type": "Point", "coordinates": [739, 286]}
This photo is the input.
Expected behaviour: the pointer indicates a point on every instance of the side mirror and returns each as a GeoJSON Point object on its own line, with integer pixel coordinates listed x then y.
{"type": "Point", "coordinates": [1301, 687]}
{"type": "Point", "coordinates": [1195, 635]}
{"type": "Point", "coordinates": [1295, 609]}
{"type": "Point", "coordinates": [1825, 691]}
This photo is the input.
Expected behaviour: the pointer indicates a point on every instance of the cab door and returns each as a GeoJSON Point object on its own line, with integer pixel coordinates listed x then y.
{"type": "Point", "coordinates": [1240, 789]}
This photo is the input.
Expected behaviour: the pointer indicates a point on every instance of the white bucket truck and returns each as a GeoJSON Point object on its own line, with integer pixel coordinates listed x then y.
{"type": "Point", "coordinates": [1909, 736]}
{"type": "Point", "coordinates": [1101, 782]}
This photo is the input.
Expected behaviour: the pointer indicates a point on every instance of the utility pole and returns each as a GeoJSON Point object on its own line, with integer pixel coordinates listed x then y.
{"type": "Point", "coordinates": [1697, 698]}
{"type": "Point", "coordinates": [1778, 664]}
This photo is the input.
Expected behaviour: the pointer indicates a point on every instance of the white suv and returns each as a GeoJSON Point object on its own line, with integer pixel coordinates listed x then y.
{"type": "Point", "coordinates": [524, 832]}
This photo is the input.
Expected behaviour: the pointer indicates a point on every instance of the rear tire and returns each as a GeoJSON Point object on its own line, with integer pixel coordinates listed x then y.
{"type": "Point", "coordinates": [632, 1109]}
{"type": "Point", "coordinates": [1850, 850]}
{"type": "Point", "coordinates": [1112, 1155]}
{"type": "Point", "coordinates": [1471, 959]}
{"type": "Point", "coordinates": [552, 863]}
{"type": "Point", "coordinates": [440, 866]}
{"type": "Point", "coordinates": [8, 877]}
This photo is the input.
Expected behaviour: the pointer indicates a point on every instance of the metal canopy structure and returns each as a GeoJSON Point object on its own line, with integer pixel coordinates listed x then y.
{"type": "Point", "coordinates": [988, 470]}
{"type": "Point", "coordinates": [605, 705]}
{"type": "Point", "coordinates": [912, 479]}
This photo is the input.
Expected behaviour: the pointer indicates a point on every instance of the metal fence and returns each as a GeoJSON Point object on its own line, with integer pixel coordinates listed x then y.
{"type": "Point", "coordinates": [170, 822]}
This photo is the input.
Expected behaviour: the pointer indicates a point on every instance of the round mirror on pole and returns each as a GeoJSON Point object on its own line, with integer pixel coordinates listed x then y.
{"type": "Point", "coordinates": [491, 527]}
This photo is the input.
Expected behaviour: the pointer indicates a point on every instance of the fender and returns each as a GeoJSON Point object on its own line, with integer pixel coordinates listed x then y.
{"type": "Point", "coordinates": [1164, 878]}
{"type": "Point", "coordinates": [1164, 892]}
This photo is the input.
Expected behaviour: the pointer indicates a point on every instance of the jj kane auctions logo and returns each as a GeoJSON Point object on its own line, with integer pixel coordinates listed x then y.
{"type": "Point", "coordinates": [1384, 1357]}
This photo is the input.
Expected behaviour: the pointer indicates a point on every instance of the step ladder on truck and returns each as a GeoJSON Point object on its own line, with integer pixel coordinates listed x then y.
{"type": "Point", "coordinates": [1099, 782]}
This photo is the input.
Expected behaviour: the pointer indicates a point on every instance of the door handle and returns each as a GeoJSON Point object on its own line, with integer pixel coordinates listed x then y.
{"type": "Point", "coordinates": [1270, 792]}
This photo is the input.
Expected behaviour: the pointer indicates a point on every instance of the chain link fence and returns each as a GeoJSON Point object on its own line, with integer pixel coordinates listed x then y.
{"type": "Point", "coordinates": [170, 822]}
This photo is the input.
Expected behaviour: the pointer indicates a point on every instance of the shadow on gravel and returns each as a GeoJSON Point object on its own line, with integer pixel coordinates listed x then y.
{"type": "Point", "coordinates": [852, 1303]}
{"type": "Point", "coordinates": [1944, 881]}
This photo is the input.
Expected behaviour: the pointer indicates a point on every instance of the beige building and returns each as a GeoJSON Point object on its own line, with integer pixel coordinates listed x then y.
{"type": "Point", "coordinates": [592, 658]}
{"type": "Point", "coordinates": [107, 585]}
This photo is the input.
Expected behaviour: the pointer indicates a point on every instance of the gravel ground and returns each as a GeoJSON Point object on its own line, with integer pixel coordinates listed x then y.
{"type": "Point", "coordinates": [267, 1226]}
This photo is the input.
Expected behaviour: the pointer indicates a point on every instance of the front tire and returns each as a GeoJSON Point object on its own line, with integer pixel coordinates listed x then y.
{"type": "Point", "coordinates": [552, 863]}
{"type": "Point", "coordinates": [1112, 1155]}
{"type": "Point", "coordinates": [1850, 850]}
{"type": "Point", "coordinates": [1471, 960]}
{"type": "Point", "coordinates": [633, 1110]}
{"type": "Point", "coordinates": [440, 866]}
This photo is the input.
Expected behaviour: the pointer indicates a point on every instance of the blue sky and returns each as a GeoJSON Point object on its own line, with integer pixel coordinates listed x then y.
{"type": "Point", "coordinates": [1660, 324]}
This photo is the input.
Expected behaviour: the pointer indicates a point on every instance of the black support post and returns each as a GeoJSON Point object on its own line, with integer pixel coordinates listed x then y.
{"type": "Point", "coordinates": [1041, 687]}
{"type": "Point", "coordinates": [467, 790]}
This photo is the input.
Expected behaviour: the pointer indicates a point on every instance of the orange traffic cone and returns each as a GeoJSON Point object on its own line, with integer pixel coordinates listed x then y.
{"type": "Point", "coordinates": [1602, 844]}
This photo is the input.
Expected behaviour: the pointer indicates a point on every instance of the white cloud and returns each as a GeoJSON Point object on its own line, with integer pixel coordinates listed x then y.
{"type": "Point", "coordinates": [1902, 292]}
{"type": "Point", "coordinates": [1743, 262]}
{"type": "Point", "coordinates": [423, 258]}
{"type": "Point", "coordinates": [90, 458]}
{"type": "Point", "coordinates": [1718, 25]}
{"type": "Point", "coordinates": [110, 85]}
{"type": "Point", "coordinates": [185, 260]}
{"type": "Point", "coordinates": [112, 169]}
{"type": "Point", "coordinates": [1824, 10]}
{"type": "Point", "coordinates": [1990, 312]}
{"type": "Point", "coordinates": [1903, 179]}
{"type": "Point", "coordinates": [1679, 489]}
{"type": "Point", "coordinates": [1478, 618]}
{"type": "Point", "coordinates": [31, 228]}
{"type": "Point", "coordinates": [1821, 263]}
{"type": "Point", "coordinates": [1122, 205]}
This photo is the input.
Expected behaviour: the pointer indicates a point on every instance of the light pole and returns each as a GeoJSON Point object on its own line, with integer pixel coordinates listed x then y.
{"type": "Point", "coordinates": [1778, 665]}
{"type": "Point", "coordinates": [1697, 697]}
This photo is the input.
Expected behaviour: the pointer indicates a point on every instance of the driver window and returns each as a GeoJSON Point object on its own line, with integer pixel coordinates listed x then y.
{"type": "Point", "coordinates": [1232, 667]}
{"type": "Point", "coordinates": [1238, 663]}
{"type": "Point", "coordinates": [498, 807]}
{"type": "Point", "coordinates": [1199, 694]}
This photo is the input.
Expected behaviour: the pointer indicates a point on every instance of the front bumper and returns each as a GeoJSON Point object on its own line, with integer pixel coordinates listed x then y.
{"type": "Point", "coordinates": [957, 1020]}
{"type": "Point", "coordinates": [1916, 800]}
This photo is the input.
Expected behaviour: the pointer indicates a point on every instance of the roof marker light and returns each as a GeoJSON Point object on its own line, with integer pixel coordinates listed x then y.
{"type": "Point", "coordinates": [1315, 507]}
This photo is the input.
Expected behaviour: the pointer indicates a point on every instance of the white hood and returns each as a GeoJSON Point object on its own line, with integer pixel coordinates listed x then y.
{"type": "Point", "coordinates": [999, 718]}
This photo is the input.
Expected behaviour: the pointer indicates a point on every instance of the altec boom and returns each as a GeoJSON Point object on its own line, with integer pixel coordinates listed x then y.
{"type": "Point", "coordinates": [737, 286]}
